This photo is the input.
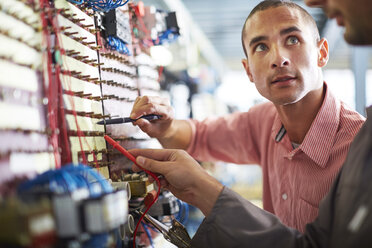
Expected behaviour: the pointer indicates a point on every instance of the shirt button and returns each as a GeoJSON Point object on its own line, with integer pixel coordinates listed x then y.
{"type": "Point", "coordinates": [284, 196]}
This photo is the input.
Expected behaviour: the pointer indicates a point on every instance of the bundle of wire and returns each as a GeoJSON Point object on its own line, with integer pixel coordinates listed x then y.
{"type": "Point", "coordinates": [105, 5]}
{"type": "Point", "coordinates": [117, 44]}
{"type": "Point", "coordinates": [101, 5]}
{"type": "Point", "coordinates": [68, 179]}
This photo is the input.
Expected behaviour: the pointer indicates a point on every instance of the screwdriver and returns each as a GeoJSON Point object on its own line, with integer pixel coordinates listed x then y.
{"type": "Point", "coordinates": [150, 117]}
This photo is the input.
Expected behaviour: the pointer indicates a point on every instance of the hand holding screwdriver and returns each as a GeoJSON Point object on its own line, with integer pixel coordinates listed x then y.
{"type": "Point", "coordinates": [153, 105]}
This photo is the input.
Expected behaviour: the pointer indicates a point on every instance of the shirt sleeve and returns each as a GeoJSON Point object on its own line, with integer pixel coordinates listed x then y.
{"type": "Point", "coordinates": [236, 138]}
{"type": "Point", "coordinates": [235, 222]}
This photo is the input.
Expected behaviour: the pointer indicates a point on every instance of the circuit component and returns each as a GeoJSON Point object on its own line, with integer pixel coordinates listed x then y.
{"type": "Point", "coordinates": [27, 224]}
{"type": "Point", "coordinates": [139, 184]}
{"type": "Point", "coordinates": [166, 205]}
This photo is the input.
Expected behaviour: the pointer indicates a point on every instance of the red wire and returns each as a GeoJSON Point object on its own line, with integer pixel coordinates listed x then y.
{"type": "Point", "coordinates": [160, 72]}
{"type": "Point", "coordinates": [62, 114]}
{"type": "Point", "coordinates": [79, 132]}
{"type": "Point", "coordinates": [133, 159]}
{"type": "Point", "coordinates": [143, 28]}
{"type": "Point", "coordinates": [51, 110]}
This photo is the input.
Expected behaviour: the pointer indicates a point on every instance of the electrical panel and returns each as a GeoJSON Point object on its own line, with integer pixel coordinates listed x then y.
{"type": "Point", "coordinates": [64, 66]}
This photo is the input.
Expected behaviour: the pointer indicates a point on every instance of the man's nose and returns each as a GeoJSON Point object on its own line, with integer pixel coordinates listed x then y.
{"type": "Point", "coordinates": [279, 58]}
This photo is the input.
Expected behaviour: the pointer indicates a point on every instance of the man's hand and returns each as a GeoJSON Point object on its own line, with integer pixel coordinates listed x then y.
{"type": "Point", "coordinates": [170, 133]}
{"type": "Point", "coordinates": [183, 176]}
{"type": "Point", "coordinates": [145, 105]}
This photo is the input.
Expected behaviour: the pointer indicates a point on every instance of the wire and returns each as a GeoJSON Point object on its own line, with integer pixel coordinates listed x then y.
{"type": "Point", "coordinates": [62, 114]}
{"type": "Point", "coordinates": [59, 44]}
{"type": "Point", "coordinates": [91, 179]}
{"type": "Point", "coordinates": [148, 234]}
{"type": "Point", "coordinates": [151, 227]}
{"type": "Point", "coordinates": [147, 209]}
{"type": "Point", "coordinates": [76, 2]}
{"type": "Point", "coordinates": [179, 214]}
{"type": "Point", "coordinates": [117, 44]}
{"type": "Point", "coordinates": [183, 213]}
{"type": "Point", "coordinates": [168, 35]}
{"type": "Point", "coordinates": [69, 178]}
{"type": "Point", "coordinates": [48, 86]}
{"type": "Point", "coordinates": [97, 241]}
{"type": "Point", "coordinates": [72, 103]}
{"type": "Point", "coordinates": [147, 41]}
{"type": "Point", "coordinates": [105, 5]}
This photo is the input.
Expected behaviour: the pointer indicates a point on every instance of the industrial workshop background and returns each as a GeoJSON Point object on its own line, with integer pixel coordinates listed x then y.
{"type": "Point", "coordinates": [67, 64]}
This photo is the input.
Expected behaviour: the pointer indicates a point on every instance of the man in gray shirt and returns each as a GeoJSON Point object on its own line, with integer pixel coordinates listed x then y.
{"type": "Point", "coordinates": [345, 214]}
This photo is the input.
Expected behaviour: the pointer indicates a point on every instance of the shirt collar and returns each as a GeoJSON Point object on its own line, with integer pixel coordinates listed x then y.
{"type": "Point", "coordinates": [319, 139]}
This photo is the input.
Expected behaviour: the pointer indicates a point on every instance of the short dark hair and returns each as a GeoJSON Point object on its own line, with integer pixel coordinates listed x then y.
{"type": "Point", "coordinates": [267, 4]}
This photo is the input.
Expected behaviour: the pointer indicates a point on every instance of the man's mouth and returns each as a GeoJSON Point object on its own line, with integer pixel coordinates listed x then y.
{"type": "Point", "coordinates": [282, 79]}
{"type": "Point", "coordinates": [340, 21]}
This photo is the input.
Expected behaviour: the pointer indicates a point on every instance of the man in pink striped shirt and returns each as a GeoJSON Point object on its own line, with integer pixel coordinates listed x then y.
{"type": "Point", "coordinates": [300, 138]}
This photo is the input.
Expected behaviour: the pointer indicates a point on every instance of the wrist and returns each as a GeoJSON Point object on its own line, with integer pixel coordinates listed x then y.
{"type": "Point", "coordinates": [177, 135]}
{"type": "Point", "coordinates": [206, 194]}
{"type": "Point", "coordinates": [170, 131]}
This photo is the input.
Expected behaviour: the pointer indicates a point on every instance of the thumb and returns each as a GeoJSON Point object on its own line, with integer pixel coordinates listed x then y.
{"type": "Point", "coordinates": [152, 165]}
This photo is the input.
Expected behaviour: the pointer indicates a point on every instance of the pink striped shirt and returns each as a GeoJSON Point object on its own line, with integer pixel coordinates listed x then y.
{"type": "Point", "coordinates": [294, 180]}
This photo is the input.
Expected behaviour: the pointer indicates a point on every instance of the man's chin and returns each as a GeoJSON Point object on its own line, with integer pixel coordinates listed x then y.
{"type": "Point", "coordinates": [354, 39]}
{"type": "Point", "coordinates": [286, 101]}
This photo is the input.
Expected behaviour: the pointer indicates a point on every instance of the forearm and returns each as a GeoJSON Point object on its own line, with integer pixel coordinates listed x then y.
{"type": "Point", "coordinates": [178, 135]}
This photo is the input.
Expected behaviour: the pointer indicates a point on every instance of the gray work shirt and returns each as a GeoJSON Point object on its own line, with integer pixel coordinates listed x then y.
{"type": "Point", "coordinates": [344, 220]}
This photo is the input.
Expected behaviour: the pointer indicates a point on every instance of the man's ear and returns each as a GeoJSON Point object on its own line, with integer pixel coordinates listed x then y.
{"type": "Point", "coordinates": [323, 52]}
{"type": "Point", "coordinates": [247, 70]}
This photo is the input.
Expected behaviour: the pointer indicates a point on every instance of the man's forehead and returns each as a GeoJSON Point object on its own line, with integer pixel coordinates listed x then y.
{"type": "Point", "coordinates": [278, 17]}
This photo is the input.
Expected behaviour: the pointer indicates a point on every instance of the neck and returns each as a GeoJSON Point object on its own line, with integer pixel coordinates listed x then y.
{"type": "Point", "coordinates": [298, 117]}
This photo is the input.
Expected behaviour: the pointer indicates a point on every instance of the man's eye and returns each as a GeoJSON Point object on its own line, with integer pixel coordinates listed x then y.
{"type": "Point", "coordinates": [292, 40]}
{"type": "Point", "coordinates": [260, 48]}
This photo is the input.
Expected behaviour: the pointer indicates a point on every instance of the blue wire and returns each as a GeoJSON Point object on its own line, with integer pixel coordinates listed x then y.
{"type": "Point", "coordinates": [68, 179]}
{"type": "Point", "coordinates": [183, 213]}
{"type": "Point", "coordinates": [76, 2]}
{"type": "Point", "coordinates": [179, 214]}
{"type": "Point", "coordinates": [165, 37]}
{"type": "Point", "coordinates": [148, 234]}
{"type": "Point", "coordinates": [100, 5]}
{"type": "Point", "coordinates": [52, 180]}
{"type": "Point", "coordinates": [150, 226]}
{"type": "Point", "coordinates": [91, 178]}
{"type": "Point", "coordinates": [97, 241]}
{"type": "Point", "coordinates": [117, 237]}
{"type": "Point", "coordinates": [117, 44]}
{"type": "Point", "coordinates": [186, 217]}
